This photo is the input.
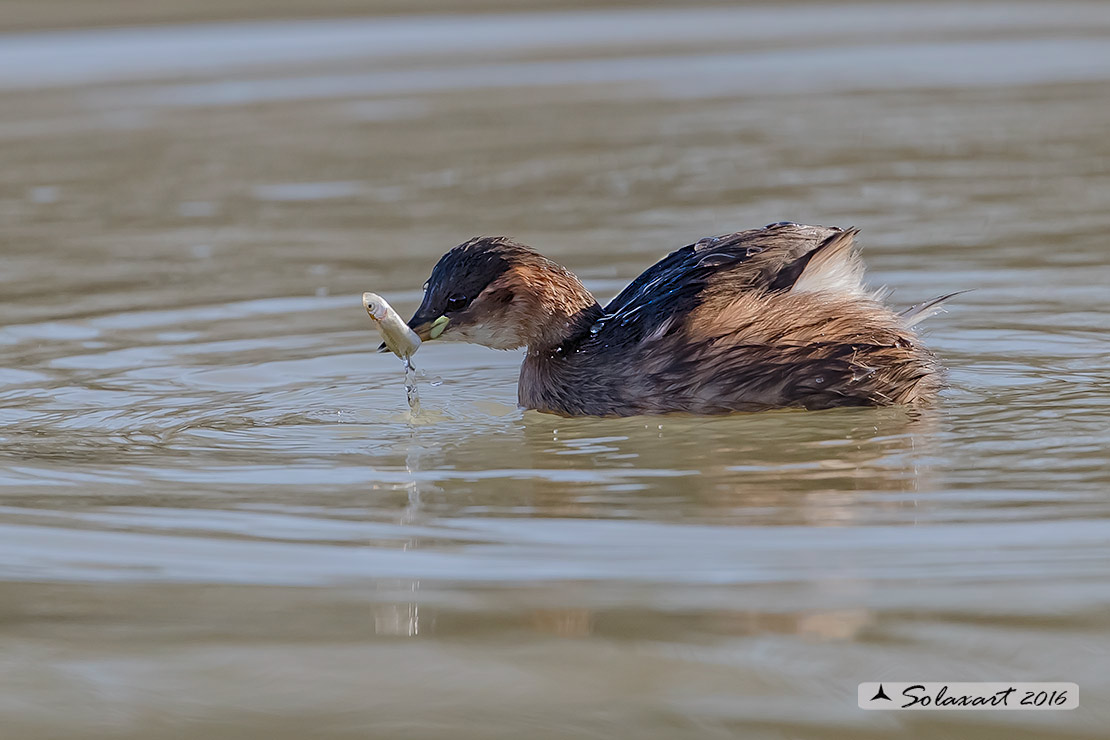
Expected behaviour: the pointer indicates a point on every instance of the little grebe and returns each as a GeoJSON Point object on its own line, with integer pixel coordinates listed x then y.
{"type": "Point", "coordinates": [767, 318]}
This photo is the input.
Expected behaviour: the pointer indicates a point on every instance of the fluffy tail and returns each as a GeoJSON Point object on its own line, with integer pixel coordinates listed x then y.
{"type": "Point", "coordinates": [833, 267]}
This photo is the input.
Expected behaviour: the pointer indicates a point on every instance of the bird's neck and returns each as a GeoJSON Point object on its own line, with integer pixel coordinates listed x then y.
{"type": "Point", "coordinates": [555, 377]}
{"type": "Point", "coordinates": [562, 311]}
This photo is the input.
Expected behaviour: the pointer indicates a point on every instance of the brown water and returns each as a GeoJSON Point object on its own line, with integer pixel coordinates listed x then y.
{"type": "Point", "coordinates": [217, 518]}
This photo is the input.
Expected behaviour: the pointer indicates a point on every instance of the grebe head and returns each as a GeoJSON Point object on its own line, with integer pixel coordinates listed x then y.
{"type": "Point", "coordinates": [499, 293]}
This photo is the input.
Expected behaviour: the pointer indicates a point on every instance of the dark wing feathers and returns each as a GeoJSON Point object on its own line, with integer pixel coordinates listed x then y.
{"type": "Point", "coordinates": [770, 259]}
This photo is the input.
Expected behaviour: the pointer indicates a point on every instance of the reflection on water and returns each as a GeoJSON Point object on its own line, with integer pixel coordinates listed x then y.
{"type": "Point", "coordinates": [219, 515]}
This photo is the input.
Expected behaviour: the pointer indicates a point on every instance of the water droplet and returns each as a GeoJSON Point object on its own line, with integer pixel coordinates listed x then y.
{"type": "Point", "coordinates": [715, 260]}
{"type": "Point", "coordinates": [860, 372]}
{"type": "Point", "coordinates": [436, 381]}
{"type": "Point", "coordinates": [410, 387]}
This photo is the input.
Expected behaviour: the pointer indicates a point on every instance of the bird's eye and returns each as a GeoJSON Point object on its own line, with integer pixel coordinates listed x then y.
{"type": "Point", "coordinates": [456, 302]}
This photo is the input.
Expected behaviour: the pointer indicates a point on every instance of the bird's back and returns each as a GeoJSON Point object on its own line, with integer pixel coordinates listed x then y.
{"type": "Point", "coordinates": [765, 318]}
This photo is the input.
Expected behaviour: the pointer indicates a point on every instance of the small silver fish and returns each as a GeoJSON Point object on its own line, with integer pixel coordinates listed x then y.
{"type": "Point", "coordinates": [399, 338]}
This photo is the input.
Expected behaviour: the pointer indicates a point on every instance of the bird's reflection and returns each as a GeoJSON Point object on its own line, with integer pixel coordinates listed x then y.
{"type": "Point", "coordinates": [790, 468]}
{"type": "Point", "coordinates": [774, 468]}
{"type": "Point", "coordinates": [403, 619]}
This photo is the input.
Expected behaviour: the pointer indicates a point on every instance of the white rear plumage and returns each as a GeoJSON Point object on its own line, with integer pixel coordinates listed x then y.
{"type": "Point", "coordinates": [835, 267]}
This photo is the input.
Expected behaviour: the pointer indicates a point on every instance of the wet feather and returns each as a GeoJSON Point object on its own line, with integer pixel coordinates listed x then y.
{"type": "Point", "coordinates": [765, 318]}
